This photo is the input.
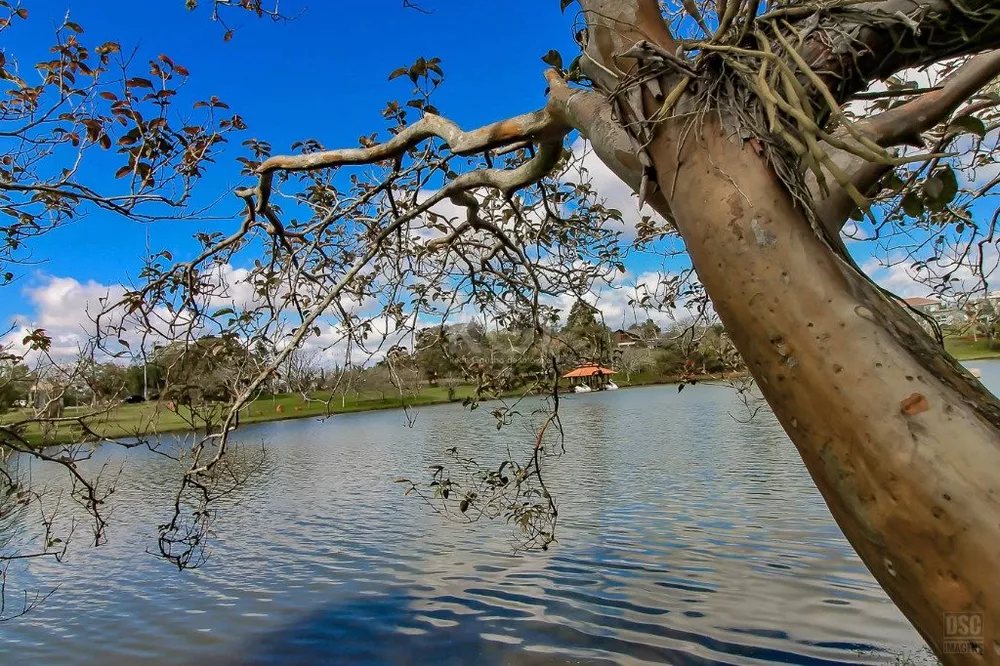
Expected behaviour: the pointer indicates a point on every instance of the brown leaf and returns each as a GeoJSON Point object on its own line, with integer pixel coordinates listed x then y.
{"type": "Point", "coordinates": [913, 404]}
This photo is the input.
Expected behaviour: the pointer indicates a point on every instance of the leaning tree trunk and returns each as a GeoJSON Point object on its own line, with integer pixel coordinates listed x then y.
{"type": "Point", "coordinates": [903, 444]}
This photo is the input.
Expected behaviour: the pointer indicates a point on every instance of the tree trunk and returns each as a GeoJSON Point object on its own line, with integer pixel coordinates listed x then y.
{"type": "Point", "coordinates": [901, 442]}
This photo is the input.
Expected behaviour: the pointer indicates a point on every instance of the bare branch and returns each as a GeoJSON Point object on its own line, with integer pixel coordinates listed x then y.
{"type": "Point", "coordinates": [538, 125]}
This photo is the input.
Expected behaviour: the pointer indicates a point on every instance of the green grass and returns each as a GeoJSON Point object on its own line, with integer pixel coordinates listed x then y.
{"type": "Point", "coordinates": [132, 420]}
{"type": "Point", "coordinates": [127, 421]}
{"type": "Point", "coordinates": [967, 350]}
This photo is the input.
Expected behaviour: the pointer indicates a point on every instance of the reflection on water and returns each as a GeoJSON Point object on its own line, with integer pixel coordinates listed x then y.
{"type": "Point", "coordinates": [686, 537]}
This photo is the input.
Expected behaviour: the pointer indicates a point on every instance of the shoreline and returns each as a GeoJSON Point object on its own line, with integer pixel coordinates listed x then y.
{"type": "Point", "coordinates": [302, 410]}
{"type": "Point", "coordinates": [263, 417]}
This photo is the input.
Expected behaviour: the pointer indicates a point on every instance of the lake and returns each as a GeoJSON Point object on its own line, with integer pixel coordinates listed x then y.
{"type": "Point", "coordinates": [686, 536]}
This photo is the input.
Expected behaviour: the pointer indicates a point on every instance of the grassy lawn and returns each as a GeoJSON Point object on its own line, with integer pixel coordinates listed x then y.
{"type": "Point", "coordinates": [127, 421]}
{"type": "Point", "coordinates": [966, 350]}
{"type": "Point", "coordinates": [131, 420]}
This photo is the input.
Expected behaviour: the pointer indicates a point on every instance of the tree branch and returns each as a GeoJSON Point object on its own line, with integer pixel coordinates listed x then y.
{"type": "Point", "coordinates": [591, 114]}
{"type": "Point", "coordinates": [902, 125]}
{"type": "Point", "coordinates": [852, 45]}
{"type": "Point", "coordinates": [536, 125]}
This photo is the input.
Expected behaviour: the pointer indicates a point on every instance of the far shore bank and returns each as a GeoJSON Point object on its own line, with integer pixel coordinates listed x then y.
{"type": "Point", "coordinates": [132, 421]}
{"type": "Point", "coordinates": [154, 418]}
{"type": "Point", "coordinates": [963, 349]}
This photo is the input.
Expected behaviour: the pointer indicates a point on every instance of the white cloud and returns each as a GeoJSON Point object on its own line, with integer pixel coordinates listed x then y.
{"type": "Point", "coordinates": [616, 193]}
{"type": "Point", "coordinates": [230, 287]}
{"type": "Point", "coordinates": [65, 308]}
{"type": "Point", "coordinates": [619, 306]}
{"type": "Point", "coordinates": [896, 277]}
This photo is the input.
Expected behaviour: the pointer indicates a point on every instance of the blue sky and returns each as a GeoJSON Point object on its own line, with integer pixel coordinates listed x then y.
{"type": "Point", "coordinates": [322, 75]}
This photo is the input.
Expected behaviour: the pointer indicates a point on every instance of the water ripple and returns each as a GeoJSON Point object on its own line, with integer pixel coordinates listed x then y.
{"type": "Point", "coordinates": [686, 538]}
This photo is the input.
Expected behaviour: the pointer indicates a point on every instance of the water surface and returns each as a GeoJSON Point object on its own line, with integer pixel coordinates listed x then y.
{"type": "Point", "coordinates": [685, 537]}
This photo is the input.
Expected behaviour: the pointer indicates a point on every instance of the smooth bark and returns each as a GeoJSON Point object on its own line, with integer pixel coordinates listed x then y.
{"type": "Point", "coordinates": [902, 443]}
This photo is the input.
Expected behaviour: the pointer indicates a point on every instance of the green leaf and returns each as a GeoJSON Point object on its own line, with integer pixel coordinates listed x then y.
{"type": "Point", "coordinates": [553, 59]}
{"type": "Point", "coordinates": [969, 125]}
{"type": "Point", "coordinates": [574, 68]}
{"type": "Point", "coordinates": [940, 189]}
{"type": "Point", "coordinates": [893, 182]}
{"type": "Point", "coordinates": [950, 181]}
{"type": "Point", "coordinates": [912, 205]}
{"type": "Point", "coordinates": [933, 187]}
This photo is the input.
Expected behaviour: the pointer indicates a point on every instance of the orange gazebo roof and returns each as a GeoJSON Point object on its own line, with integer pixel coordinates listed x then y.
{"type": "Point", "coordinates": [588, 370]}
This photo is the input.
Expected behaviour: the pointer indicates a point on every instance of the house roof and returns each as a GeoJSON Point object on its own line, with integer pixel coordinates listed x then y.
{"type": "Point", "coordinates": [588, 370]}
{"type": "Point", "coordinates": [917, 302]}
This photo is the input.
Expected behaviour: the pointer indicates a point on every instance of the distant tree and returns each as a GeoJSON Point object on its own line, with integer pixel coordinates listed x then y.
{"type": "Point", "coordinates": [586, 338]}
{"type": "Point", "coordinates": [145, 380]}
{"type": "Point", "coordinates": [301, 372]}
{"type": "Point", "coordinates": [209, 369]}
{"type": "Point", "coordinates": [451, 384]}
{"type": "Point", "coordinates": [648, 331]}
{"type": "Point", "coordinates": [582, 317]}
{"type": "Point", "coordinates": [446, 351]}
{"type": "Point", "coordinates": [670, 360]}
{"type": "Point", "coordinates": [345, 381]}
{"type": "Point", "coordinates": [105, 382]}
{"type": "Point", "coordinates": [983, 318]}
{"type": "Point", "coordinates": [431, 353]}
{"type": "Point", "coordinates": [633, 360]}
{"type": "Point", "coordinates": [15, 384]}
{"type": "Point", "coordinates": [378, 379]}
{"type": "Point", "coordinates": [716, 352]}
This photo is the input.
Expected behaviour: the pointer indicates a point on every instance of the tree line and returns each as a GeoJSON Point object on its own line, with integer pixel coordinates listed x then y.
{"type": "Point", "coordinates": [215, 368]}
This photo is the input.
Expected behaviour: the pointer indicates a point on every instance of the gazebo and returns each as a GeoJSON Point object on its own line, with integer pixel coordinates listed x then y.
{"type": "Point", "coordinates": [593, 375]}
